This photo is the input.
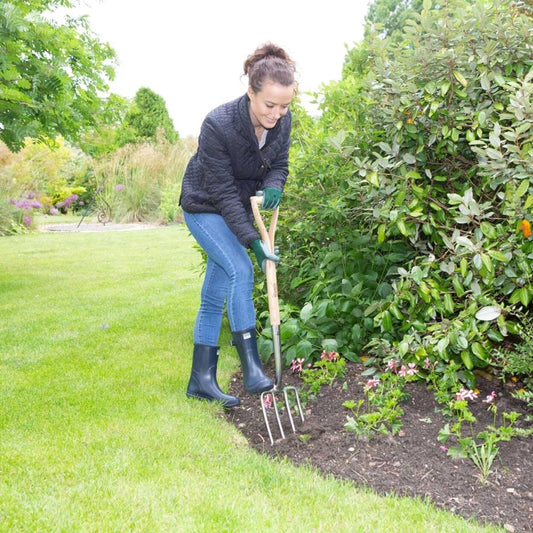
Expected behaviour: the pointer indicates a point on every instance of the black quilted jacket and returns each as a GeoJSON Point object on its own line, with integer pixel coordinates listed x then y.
{"type": "Point", "coordinates": [229, 167]}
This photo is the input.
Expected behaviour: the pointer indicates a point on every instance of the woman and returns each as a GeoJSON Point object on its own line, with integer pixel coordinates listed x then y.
{"type": "Point", "coordinates": [243, 148]}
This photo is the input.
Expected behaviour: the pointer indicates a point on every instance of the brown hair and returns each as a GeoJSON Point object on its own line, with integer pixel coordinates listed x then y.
{"type": "Point", "coordinates": [269, 62]}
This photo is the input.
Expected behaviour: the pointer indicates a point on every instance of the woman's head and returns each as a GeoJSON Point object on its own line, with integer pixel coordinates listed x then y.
{"type": "Point", "coordinates": [271, 84]}
{"type": "Point", "coordinates": [269, 63]}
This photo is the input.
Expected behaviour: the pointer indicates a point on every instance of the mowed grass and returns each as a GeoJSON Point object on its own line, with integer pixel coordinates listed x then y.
{"type": "Point", "coordinates": [96, 434]}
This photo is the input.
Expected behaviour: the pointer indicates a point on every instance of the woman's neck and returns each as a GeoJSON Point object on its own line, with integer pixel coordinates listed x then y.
{"type": "Point", "coordinates": [259, 130]}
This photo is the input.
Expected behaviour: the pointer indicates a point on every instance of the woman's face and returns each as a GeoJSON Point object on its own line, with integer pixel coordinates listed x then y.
{"type": "Point", "coordinates": [269, 104]}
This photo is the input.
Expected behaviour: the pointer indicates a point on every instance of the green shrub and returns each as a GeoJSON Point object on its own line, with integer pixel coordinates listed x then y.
{"type": "Point", "coordinates": [406, 198]}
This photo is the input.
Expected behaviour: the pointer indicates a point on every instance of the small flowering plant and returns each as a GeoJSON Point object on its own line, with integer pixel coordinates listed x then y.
{"type": "Point", "coordinates": [325, 371]}
{"type": "Point", "coordinates": [480, 447]}
{"type": "Point", "coordinates": [384, 393]}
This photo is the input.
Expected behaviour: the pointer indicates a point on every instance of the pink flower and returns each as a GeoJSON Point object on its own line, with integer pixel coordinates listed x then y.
{"type": "Point", "coordinates": [371, 384]}
{"type": "Point", "coordinates": [465, 394]}
{"type": "Point", "coordinates": [403, 371]}
{"type": "Point", "coordinates": [427, 363]}
{"type": "Point", "coordinates": [412, 369]}
{"type": "Point", "coordinates": [443, 448]}
{"type": "Point", "coordinates": [297, 365]}
{"type": "Point", "coordinates": [267, 401]}
{"type": "Point", "coordinates": [392, 365]}
{"type": "Point", "coordinates": [330, 356]}
{"type": "Point", "coordinates": [490, 398]}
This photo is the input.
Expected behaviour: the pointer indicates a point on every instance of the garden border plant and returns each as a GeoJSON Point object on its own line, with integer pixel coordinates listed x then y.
{"type": "Point", "coordinates": [380, 411]}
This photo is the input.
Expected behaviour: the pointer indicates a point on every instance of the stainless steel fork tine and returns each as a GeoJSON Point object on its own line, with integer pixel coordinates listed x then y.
{"type": "Point", "coordinates": [276, 411]}
{"type": "Point", "coordinates": [288, 405]}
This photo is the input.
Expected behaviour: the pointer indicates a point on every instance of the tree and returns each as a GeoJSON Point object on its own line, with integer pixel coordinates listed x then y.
{"type": "Point", "coordinates": [51, 74]}
{"type": "Point", "coordinates": [146, 117]}
{"type": "Point", "coordinates": [391, 15]}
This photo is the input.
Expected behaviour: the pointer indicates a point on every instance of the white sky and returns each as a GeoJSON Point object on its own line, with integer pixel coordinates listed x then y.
{"type": "Point", "coordinates": [191, 53]}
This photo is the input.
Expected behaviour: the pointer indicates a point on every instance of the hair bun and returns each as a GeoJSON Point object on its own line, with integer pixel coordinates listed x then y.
{"type": "Point", "coordinates": [269, 61]}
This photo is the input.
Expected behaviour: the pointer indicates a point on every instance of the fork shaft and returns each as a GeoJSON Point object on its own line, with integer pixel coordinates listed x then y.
{"type": "Point", "coordinates": [276, 339]}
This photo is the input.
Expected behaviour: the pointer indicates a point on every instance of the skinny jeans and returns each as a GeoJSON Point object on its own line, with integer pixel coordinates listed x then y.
{"type": "Point", "coordinates": [229, 279]}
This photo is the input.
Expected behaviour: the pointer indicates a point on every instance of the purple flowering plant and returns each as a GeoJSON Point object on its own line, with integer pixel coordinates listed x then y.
{"type": "Point", "coordinates": [25, 206]}
{"type": "Point", "coordinates": [67, 202]}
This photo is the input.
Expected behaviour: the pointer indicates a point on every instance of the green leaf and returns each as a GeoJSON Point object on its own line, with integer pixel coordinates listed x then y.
{"type": "Point", "coordinates": [381, 233]}
{"type": "Point", "coordinates": [520, 295]}
{"type": "Point", "coordinates": [444, 434]}
{"type": "Point", "coordinates": [395, 311]}
{"type": "Point", "coordinates": [523, 188]}
{"type": "Point", "coordinates": [304, 349]}
{"type": "Point", "coordinates": [457, 285]}
{"type": "Point", "coordinates": [442, 345]}
{"type": "Point", "coordinates": [494, 154]}
{"type": "Point", "coordinates": [460, 78]}
{"type": "Point", "coordinates": [464, 267]}
{"type": "Point", "coordinates": [386, 321]}
{"type": "Point", "coordinates": [372, 178]}
{"type": "Point", "coordinates": [457, 452]}
{"type": "Point", "coordinates": [306, 312]}
{"type": "Point", "coordinates": [488, 230]}
{"type": "Point", "coordinates": [479, 351]}
{"type": "Point", "coordinates": [410, 159]}
{"type": "Point", "coordinates": [288, 329]}
{"type": "Point", "coordinates": [448, 303]}
{"type": "Point", "coordinates": [485, 258]}
{"type": "Point", "coordinates": [466, 357]}
{"type": "Point", "coordinates": [330, 345]}
{"type": "Point", "coordinates": [462, 342]}
{"type": "Point", "coordinates": [499, 256]}
{"type": "Point", "coordinates": [400, 224]}
{"type": "Point", "coordinates": [495, 335]}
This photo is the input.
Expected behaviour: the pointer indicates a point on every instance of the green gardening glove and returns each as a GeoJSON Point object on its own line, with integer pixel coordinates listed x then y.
{"type": "Point", "coordinates": [271, 198]}
{"type": "Point", "coordinates": [262, 253]}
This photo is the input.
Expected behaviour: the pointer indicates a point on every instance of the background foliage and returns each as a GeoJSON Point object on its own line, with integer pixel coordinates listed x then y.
{"type": "Point", "coordinates": [51, 75]}
{"type": "Point", "coordinates": [67, 145]}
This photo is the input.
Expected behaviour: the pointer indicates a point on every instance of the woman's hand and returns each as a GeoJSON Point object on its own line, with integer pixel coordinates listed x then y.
{"type": "Point", "coordinates": [262, 253]}
{"type": "Point", "coordinates": [271, 198]}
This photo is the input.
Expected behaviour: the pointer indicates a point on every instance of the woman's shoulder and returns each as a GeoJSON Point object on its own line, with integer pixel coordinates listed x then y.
{"type": "Point", "coordinates": [228, 112]}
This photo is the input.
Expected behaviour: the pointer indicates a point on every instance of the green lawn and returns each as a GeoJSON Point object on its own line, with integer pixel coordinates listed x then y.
{"type": "Point", "coordinates": [96, 433]}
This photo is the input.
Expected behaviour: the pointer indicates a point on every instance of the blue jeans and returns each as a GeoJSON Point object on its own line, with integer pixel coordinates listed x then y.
{"type": "Point", "coordinates": [229, 278]}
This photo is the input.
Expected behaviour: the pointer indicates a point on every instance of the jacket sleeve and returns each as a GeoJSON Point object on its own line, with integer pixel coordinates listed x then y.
{"type": "Point", "coordinates": [220, 181]}
{"type": "Point", "coordinates": [279, 166]}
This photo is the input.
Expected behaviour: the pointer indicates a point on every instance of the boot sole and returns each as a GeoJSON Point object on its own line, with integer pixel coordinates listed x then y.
{"type": "Point", "coordinates": [227, 405]}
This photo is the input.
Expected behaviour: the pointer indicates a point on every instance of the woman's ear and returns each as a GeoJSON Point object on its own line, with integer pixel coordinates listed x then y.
{"type": "Point", "coordinates": [250, 92]}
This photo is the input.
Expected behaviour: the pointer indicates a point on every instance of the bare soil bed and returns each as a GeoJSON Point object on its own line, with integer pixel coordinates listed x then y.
{"type": "Point", "coordinates": [411, 463]}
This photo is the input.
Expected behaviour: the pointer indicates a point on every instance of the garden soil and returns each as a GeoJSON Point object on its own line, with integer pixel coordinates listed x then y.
{"type": "Point", "coordinates": [411, 463]}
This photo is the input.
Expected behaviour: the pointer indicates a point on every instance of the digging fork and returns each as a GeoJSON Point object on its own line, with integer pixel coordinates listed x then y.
{"type": "Point", "coordinates": [267, 236]}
